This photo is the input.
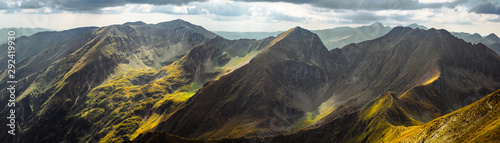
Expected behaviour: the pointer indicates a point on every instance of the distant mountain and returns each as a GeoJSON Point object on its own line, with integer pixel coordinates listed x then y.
{"type": "Point", "coordinates": [490, 41]}
{"type": "Point", "coordinates": [246, 35]}
{"type": "Point", "coordinates": [495, 47]}
{"type": "Point", "coordinates": [476, 38]}
{"type": "Point", "coordinates": [341, 36]}
{"type": "Point", "coordinates": [473, 38]}
{"type": "Point", "coordinates": [19, 32]}
{"type": "Point", "coordinates": [332, 38]}
{"type": "Point", "coordinates": [415, 26]}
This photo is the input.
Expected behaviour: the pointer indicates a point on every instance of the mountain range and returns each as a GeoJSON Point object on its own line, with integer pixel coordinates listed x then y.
{"type": "Point", "coordinates": [19, 32]}
{"type": "Point", "coordinates": [178, 82]}
{"type": "Point", "coordinates": [332, 38]}
{"type": "Point", "coordinates": [492, 40]}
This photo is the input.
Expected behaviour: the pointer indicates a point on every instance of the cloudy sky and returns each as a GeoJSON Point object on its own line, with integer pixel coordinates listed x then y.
{"type": "Point", "coordinates": [473, 16]}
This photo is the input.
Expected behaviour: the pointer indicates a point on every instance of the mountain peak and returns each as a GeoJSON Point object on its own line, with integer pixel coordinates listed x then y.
{"type": "Point", "coordinates": [399, 30]}
{"type": "Point", "coordinates": [296, 31]}
{"type": "Point", "coordinates": [377, 24]}
{"type": "Point", "coordinates": [187, 25]}
{"type": "Point", "coordinates": [492, 36]}
{"type": "Point", "coordinates": [176, 22]}
{"type": "Point", "coordinates": [135, 23]}
{"type": "Point", "coordinates": [415, 26]}
{"type": "Point", "coordinates": [298, 28]}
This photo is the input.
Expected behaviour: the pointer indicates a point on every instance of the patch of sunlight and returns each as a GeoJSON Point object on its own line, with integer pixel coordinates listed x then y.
{"type": "Point", "coordinates": [432, 78]}
{"type": "Point", "coordinates": [147, 126]}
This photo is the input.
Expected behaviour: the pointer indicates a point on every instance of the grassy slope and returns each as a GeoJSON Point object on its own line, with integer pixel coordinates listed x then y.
{"type": "Point", "coordinates": [247, 97]}
{"type": "Point", "coordinates": [55, 97]}
{"type": "Point", "coordinates": [477, 122]}
{"type": "Point", "coordinates": [134, 102]}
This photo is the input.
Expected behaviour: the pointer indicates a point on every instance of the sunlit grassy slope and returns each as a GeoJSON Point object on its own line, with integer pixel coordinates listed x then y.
{"type": "Point", "coordinates": [92, 84]}
{"type": "Point", "coordinates": [133, 102]}
{"type": "Point", "coordinates": [377, 122]}
{"type": "Point", "coordinates": [478, 122]}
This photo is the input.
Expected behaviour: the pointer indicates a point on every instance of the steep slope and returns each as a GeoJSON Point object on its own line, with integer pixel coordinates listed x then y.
{"type": "Point", "coordinates": [267, 95]}
{"type": "Point", "coordinates": [29, 46]}
{"type": "Point", "coordinates": [477, 122]}
{"type": "Point", "coordinates": [37, 52]}
{"type": "Point", "coordinates": [136, 101]}
{"type": "Point", "coordinates": [405, 59]}
{"type": "Point", "coordinates": [436, 75]}
{"type": "Point", "coordinates": [430, 73]}
{"type": "Point", "coordinates": [55, 93]}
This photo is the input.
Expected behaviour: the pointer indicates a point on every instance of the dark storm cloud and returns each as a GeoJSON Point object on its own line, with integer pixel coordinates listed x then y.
{"type": "Point", "coordinates": [92, 5]}
{"type": "Point", "coordinates": [486, 8]}
{"type": "Point", "coordinates": [31, 4]}
{"type": "Point", "coordinates": [95, 5]}
{"type": "Point", "coordinates": [369, 4]}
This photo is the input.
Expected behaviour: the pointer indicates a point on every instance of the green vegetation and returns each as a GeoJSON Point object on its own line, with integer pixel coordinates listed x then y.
{"type": "Point", "coordinates": [128, 107]}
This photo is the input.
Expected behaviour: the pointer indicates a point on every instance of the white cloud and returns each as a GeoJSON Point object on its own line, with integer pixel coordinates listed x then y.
{"type": "Point", "coordinates": [183, 9]}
